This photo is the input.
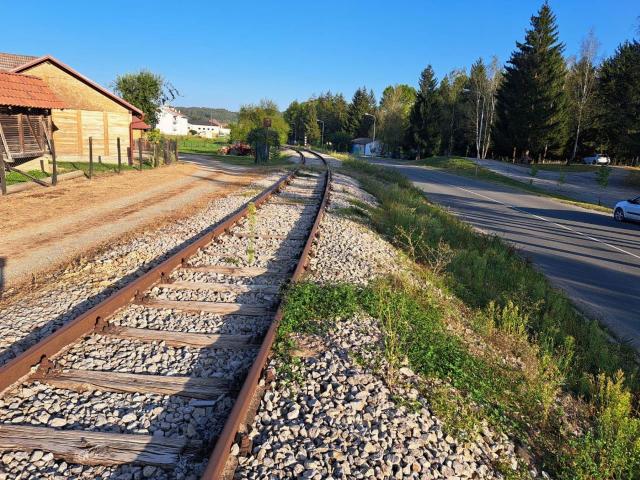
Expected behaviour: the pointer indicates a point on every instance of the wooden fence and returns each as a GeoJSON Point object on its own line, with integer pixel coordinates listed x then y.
{"type": "Point", "coordinates": [154, 154]}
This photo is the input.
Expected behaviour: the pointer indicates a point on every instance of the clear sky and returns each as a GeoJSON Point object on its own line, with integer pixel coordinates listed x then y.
{"type": "Point", "coordinates": [228, 53]}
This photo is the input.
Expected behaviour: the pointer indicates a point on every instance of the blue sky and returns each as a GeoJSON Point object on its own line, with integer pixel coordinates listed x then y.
{"type": "Point", "coordinates": [225, 54]}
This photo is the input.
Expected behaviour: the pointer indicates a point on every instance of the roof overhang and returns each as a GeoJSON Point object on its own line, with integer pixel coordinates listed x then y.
{"type": "Point", "coordinates": [79, 76]}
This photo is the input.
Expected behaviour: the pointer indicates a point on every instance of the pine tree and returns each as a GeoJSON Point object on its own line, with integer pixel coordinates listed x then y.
{"type": "Point", "coordinates": [531, 103]}
{"type": "Point", "coordinates": [619, 102]}
{"type": "Point", "coordinates": [425, 117]}
{"type": "Point", "coordinates": [359, 124]}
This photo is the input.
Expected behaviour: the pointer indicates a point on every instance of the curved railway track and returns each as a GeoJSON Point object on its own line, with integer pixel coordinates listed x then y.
{"type": "Point", "coordinates": [161, 378]}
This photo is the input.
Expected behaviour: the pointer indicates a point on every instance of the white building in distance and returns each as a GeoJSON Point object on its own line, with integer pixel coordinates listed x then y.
{"type": "Point", "coordinates": [172, 122]}
{"type": "Point", "coordinates": [209, 129]}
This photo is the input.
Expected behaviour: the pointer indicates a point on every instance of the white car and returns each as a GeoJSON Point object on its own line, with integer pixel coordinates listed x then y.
{"type": "Point", "coordinates": [627, 210]}
{"type": "Point", "coordinates": [597, 159]}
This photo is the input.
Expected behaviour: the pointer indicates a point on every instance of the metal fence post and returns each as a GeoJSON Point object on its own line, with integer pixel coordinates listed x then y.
{"type": "Point", "coordinates": [90, 157]}
{"type": "Point", "coordinates": [54, 161]}
{"type": "Point", "coordinates": [3, 175]}
{"type": "Point", "coordinates": [119, 155]}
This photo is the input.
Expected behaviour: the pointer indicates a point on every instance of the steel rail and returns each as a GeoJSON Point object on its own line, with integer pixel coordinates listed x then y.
{"type": "Point", "coordinates": [23, 366]}
{"type": "Point", "coordinates": [219, 457]}
{"type": "Point", "coordinates": [297, 150]}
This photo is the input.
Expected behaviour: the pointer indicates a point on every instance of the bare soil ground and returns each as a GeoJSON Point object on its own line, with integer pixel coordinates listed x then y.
{"type": "Point", "coordinates": [46, 228]}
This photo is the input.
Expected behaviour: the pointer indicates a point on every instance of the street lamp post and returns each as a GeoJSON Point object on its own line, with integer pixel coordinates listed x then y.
{"type": "Point", "coordinates": [322, 137]}
{"type": "Point", "coordinates": [374, 128]}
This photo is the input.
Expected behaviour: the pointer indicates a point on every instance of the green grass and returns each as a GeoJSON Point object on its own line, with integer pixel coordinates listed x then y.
{"type": "Point", "coordinates": [467, 168]}
{"type": "Point", "coordinates": [100, 168]}
{"type": "Point", "coordinates": [194, 144]}
{"type": "Point", "coordinates": [249, 161]}
{"type": "Point", "coordinates": [520, 314]}
{"type": "Point", "coordinates": [14, 177]}
{"type": "Point", "coordinates": [561, 167]}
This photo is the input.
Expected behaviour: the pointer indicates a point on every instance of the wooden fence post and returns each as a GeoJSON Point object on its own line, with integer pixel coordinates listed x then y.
{"type": "Point", "coordinates": [156, 160]}
{"type": "Point", "coordinates": [140, 152]}
{"type": "Point", "coordinates": [3, 176]}
{"type": "Point", "coordinates": [54, 161]}
{"type": "Point", "coordinates": [175, 148]}
{"type": "Point", "coordinates": [90, 157]}
{"type": "Point", "coordinates": [119, 155]}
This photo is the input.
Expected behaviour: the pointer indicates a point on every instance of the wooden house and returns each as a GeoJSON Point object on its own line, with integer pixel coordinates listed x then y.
{"type": "Point", "coordinates": [26, 103]}
{"type": "Point", "coordinates": [90, 110]}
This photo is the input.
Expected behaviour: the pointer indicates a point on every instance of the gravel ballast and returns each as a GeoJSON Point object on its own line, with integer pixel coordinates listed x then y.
{"type": "Point", "coordinates": [32, 316]}
{"type": "Point", "coordinates": [198, 420]}
{"type": "Point", "coordinates": [336, 416]}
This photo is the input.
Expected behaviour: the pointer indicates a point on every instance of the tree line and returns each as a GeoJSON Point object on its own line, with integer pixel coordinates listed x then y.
{"type": "Point", "coordinates": [540, 105]}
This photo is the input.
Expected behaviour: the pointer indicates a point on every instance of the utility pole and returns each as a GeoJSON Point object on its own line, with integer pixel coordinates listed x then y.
{"type": "Point", "coordinates": [322, 137]}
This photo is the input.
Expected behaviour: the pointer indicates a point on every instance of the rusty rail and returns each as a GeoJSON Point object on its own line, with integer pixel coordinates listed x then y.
{"type": "Point", "coordinates": [92, 320]}
{"type": "Point", "coordinates": [220, 455]}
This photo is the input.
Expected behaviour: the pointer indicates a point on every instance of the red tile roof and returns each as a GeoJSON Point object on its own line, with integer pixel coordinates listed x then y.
{"type": "Point", "coordinates": [138, 124]}
{"type": "Point", "coordinates": [26, 91]}
{"type": "Point", "coordinates": [9, 61]}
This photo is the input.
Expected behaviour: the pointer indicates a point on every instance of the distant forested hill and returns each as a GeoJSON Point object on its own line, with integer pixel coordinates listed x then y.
{"type": "Point", "coordinates": [202, 114]}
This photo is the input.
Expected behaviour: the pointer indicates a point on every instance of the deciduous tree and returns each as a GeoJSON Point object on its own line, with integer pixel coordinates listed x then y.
{"type": "Point", "coordinates": [146, 90]}
{"type": "Point", "coordinates": [581, 82]}
{"type": "Point", "coordinates": [395, 106]}
{"type": "Point", "coordinates": [451, 92]}
{"type": "Point", "coordinates": [252, 117]}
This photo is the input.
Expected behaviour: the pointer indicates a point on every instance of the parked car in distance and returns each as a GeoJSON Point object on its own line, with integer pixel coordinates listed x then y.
{"type": "Point", "coordinates": [627, 210]}
{"type": "Point", "coordinates": [597, 159]}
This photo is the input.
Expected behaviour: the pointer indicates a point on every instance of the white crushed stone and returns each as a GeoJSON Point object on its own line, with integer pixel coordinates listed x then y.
{"type": "Point", "coordinates": [348, 251]}
{"type": "Point", "coordinates": [25, 320]}
{"type": "Point", "coordinates": [341, 418]}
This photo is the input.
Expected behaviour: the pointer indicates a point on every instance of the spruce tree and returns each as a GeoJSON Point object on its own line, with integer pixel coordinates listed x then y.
{"type": "Point", "coordinates": [531, 104]}
{"type": "Point", "coordinates": [358, 124]}
{"type": "Point", "coordinates": [425, 117]}
{"type": "Point", "coordinates": [618, 102]}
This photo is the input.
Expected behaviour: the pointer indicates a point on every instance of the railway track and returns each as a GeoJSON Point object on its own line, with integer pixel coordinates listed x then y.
{"type": "Point", "coordinates": [160, 379]}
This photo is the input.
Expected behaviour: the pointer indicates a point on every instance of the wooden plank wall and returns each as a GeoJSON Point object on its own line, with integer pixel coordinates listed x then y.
{"type": "Point", "coordinates": [74, 127]}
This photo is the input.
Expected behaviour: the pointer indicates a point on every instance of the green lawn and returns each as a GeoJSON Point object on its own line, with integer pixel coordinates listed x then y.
{"type": "Point", "coordinates": [193, 144]}
{"type": "Point", "coordinates": [100, 168]}
{"type": "Point", "coordinates": [467, 168]}
{"type": "Point", "coordinates": [13, 177]}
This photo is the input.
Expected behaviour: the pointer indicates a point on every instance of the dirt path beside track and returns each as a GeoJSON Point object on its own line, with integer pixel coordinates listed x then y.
{"type": "Point", "coordinates": [46, 228]}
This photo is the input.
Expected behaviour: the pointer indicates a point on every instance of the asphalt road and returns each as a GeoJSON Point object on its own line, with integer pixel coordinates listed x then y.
{"type": "Point", "coordinates": [593, 258]}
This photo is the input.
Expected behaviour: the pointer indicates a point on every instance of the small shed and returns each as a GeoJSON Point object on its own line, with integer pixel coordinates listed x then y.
{"type": "Point", "coordinates": [25, 117]}
{"type": "Point", "coordinates": [91, 111]}
{"type": "Point", "coordinates": [365, 146]}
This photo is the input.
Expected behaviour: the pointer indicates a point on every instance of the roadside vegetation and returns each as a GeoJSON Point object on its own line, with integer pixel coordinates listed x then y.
{"type": "Point", "coordinates": [493, 340]}
{"type": "Point", "coordinates": [466, 167]}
